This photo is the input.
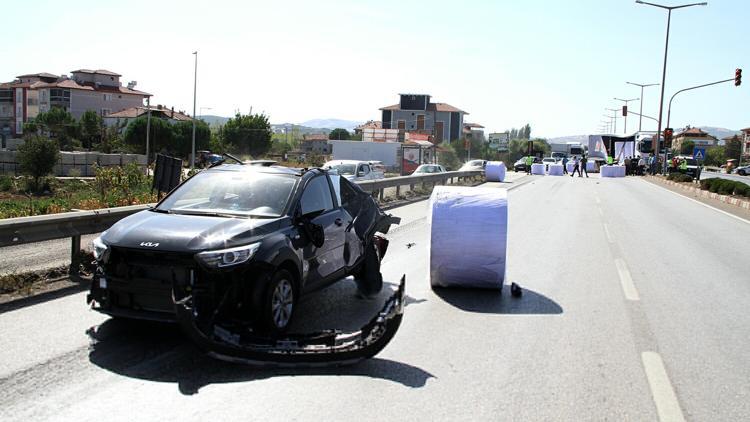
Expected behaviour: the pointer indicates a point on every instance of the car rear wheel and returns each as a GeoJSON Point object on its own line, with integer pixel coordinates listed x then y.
{"type": "Point", "coordinates": [742, 173]}
{"type": "Point", "coordinates": [368, 277]}
{"type": "Point", "coordinates": [279, 302]}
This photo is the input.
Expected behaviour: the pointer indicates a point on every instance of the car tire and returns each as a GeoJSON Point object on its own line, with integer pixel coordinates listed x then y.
{"type": "Point", "coordinates": [368, 277]}
{"type": "Point", "coordinates": [279, 303]}
{"type": "Point", "coordinates": [742, 173]}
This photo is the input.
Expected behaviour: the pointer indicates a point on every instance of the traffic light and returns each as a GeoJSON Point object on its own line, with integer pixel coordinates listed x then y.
{"type": "Point", "coordinates": [624, 110]}
{"type": "Point", "coordinates": [668, 137]}
{"type": "Point", "coordinates": [737, 77]}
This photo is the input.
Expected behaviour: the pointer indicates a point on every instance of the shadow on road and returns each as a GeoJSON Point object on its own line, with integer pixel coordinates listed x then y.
{"type": "Point", "coordinates": [492, 302]}
{"type": "Point", "coordinates": [160, 353]}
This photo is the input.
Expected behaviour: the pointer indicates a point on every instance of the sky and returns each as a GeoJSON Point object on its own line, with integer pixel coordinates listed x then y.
{"type": "Point", "coordinates": [553, 64]}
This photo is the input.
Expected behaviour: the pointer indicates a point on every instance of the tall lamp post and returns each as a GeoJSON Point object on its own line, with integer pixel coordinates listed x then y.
{"type": "Point", "coordinates": [640, 120]}
{"type": "Point", "coordinates": [195, 88]}
{"type": "Point", "coordinates": [655, 143]}
{"type": "Point", "coordinates": [625, 114]}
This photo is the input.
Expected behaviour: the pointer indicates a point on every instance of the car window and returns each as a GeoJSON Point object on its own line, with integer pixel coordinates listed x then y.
{"type": "Point", "coordinates": [365, 169]}
{"type": "Point", "coordinates": [317, 196]}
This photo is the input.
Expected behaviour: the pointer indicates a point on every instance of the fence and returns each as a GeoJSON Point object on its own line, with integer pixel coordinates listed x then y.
{"type": "Point", "coordinates": [83, 162]}
{"type": "Point", "coordinates": [40, 228]}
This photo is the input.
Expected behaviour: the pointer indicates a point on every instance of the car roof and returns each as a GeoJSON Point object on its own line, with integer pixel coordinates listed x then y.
{"type": "Point", "coordinates": [257, 169]}
{"type": "Point", "coordinates": [346, 162]}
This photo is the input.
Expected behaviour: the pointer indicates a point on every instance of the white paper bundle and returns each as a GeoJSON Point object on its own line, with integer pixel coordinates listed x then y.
{"type": "Point", "coordinates": [537, 168]}
{"type": "Point", "coordinates": [468, 236]}
{"type": "Point", "coordinates": [570, 166]}
{"type": "Point", "coordinates": [612, 171]}
{"type": "Point", "coordinates": [590, 166]}
{"type": "Point", "coordinates": [555, 170]}
{"type": "Point", "coordinates": [495, 171]}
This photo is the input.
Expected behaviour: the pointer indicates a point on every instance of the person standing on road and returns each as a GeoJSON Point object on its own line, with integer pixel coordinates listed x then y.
{"type": "Point", "coordinates": [641, 166]}
{"type": "Point", "coordinates": [575, 167]}
{"type": "Point", "coordinates": [529, 162]}
{"type": "Point", "coordinates": [565, 165]}
{"type": "Point", "coordinates": [584, 160]}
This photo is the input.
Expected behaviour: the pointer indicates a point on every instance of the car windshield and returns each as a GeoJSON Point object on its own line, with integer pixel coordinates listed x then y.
{"type": "Point", "coordinates": [242, 194]}
{"type": "Point", "coordinates": [427, 169]}
{"type": "Point", "coordinates": [345, 169]}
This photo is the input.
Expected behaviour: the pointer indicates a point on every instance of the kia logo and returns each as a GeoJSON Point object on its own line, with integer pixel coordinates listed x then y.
{"type": "Point", "coordinates": [149, 244]}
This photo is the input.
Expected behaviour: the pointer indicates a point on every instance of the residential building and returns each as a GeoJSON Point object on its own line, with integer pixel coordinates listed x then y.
{"type": "Point", "coordinates": [28, 95]}
{"type": "Point", "coordinates": [315, 143]}
{"type": "Point", "coordinates": [124, 117]}
{"type": "Point", "coordinates": [416, 112]}
{"type": "Point", "coordinates": [745, 141]}
{"type": "Point", "coordinates": [474, 131]}
{"type": "Point", "coordinates": [370, 124]}
{"type": "Point", "coordinates": [699, 137]}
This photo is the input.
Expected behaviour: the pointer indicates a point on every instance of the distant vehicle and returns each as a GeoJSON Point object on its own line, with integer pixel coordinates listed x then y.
{"type": "Point", "coordinates": [429, 169]}
{"type": "Point", "coordinates": [693, 169]}
{"type": "Point", "coordinates": [520, 165]}
{"type": "Point", "coordinates": [547, 161]}
{"type": "Point", "coordinates": [262, 163]}
{"type": "Point", "coordinates": [744, 170]}
{"type": "Point", "coordinates": [473, 165]}
{"type": "Point", "coordinates": [378, 166]}
{"type": "Point", "coordinates": [354, 170]}
{"type": "Point", "coordinates": [558, 156]}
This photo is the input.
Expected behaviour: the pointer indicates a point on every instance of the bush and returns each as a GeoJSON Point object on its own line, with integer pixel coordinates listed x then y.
{"type": "Point", "coordinates": [37, 157]}
{"type": "Point", "coordinates": [741, 189]}
{"type": "Point", "coordinates": [679, 177]}
{"type": "Point", "coordinates": [713, 187]}
{"type": "Point", "coordinates": [726, 187]}
{"type": "Point", "coordinates": [6, 183]}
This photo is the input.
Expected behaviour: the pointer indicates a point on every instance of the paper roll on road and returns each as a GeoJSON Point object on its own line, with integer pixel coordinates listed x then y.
{"type": "Point", "coordinates": [537, 168]}
{"type": "Point", "coordinates": [468, 236]}
{"type": "Point", "coordinates": [590, 166]}
{"type": "Point", "coordinates": [570, 166]}
{"type": "Point", "coordinates": [612, 171]}
{"type": "Point", "coordinates": [555, 170]}
{"type": "Point", "coordinates": [495, 171]}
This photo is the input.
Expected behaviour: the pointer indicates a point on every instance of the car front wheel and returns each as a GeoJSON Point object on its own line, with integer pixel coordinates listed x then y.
{"type": "Point", "coordinates": [742, 173]}
{"type": "Point", "coordinates": [279, 302]}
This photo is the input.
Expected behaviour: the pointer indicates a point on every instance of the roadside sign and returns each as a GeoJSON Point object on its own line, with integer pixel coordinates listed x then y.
{"type": "Point", "coordinates": [699, 154]}
{"type": "Point", "coordinates": [499, 141]}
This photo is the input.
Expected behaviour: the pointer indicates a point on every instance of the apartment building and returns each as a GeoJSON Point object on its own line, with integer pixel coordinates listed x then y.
{"type": "Point", "coordinates": [28, 95]}
{"type": "Point", "coordinates": [416, 112]}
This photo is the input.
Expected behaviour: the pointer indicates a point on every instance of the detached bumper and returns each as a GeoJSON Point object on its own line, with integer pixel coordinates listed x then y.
{"type": "Point", "coordinates": [325, 348]}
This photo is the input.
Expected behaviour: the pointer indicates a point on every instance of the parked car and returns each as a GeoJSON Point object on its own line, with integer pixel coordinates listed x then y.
{"type": "Point", "coordinates": [693, 169]}
{"type": "Point", "coordinates": [520, 165]}
{"type": "Point", "coordinates": [547, 161]}
{"type": "Point", "coordinates": [243, 242]}
{"type": "Point", "coordinates": [473, 165]}
{"type": "Point", "coordinates": [429, 169]}
{"type": "Point", "coordinates": [354, 170]}
{"type": "Point", "coordinates": [743, 170]}
{"type": "Point", "coordinates": [378, 166]}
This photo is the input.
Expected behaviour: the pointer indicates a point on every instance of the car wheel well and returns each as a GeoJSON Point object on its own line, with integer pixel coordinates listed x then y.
{"type": "Point", "coordinates": [294, 271]}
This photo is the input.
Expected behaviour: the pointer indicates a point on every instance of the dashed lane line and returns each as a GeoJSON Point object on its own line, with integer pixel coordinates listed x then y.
{"type": "Point", "coordinates": [667, 405]}
{"type": "Point", "coordinates": [628, 288]}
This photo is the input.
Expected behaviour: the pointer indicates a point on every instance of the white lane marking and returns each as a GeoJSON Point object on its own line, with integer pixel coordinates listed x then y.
{"type": "Point", "coordinates": [601, 213]}
{"type": "Point", "coordinates": [664, 396]}
{"type": "Point", "coordinates": [610, 239]}
{"type": "Point", "coordinates": [627, 282]}
{"type": "Point", "coordinates": [700, 203]}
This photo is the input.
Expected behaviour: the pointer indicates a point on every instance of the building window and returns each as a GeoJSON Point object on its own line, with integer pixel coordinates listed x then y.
{"type": "Point", "coordinates": [107, 97]}
{"type": "Point", "coordinates": [420, 122]}
{"type": "Point", "coordinates": [62, 95]}
{"type": "Point", "coordinates": [401, 124]}
{"type": "Point", "coordinates": [106, 111]}
{"type": "Point", "coordinates": [6, 95]}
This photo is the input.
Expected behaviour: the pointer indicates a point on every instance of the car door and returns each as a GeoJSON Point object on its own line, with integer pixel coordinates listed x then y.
{"type": "Point", "coordinates": [350, 205]}
{"type": "Point", "coordinates": [328, 258]}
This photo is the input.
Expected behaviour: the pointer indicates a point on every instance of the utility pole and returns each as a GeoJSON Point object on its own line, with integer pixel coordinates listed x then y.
{"type": "Point", "coordinates": [148, 130]}
{"type": "Point", "coordinates": [640, 120]}
{"type": "Point", "coordinates": [614, 119]}
{"type": "Point", "coordinates": [195, 89]}
{"type": "Point", "coordinates": [625, 112]}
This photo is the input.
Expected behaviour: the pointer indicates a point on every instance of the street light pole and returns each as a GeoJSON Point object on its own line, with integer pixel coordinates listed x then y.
{"type": "Point", "coordinates": [625, 130]}
{"type": "Point", "coordinates": [195, 88]}
{"type": "Point", "coordinates": [148, 129]}
{"type": "Point", "coordinates": [640, 120]}
{"type": "Point", "coordinates": [655, 142]}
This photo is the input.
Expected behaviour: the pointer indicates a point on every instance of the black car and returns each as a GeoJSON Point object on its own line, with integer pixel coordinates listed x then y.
{"type": "Point", "coordinates": [241, 244]}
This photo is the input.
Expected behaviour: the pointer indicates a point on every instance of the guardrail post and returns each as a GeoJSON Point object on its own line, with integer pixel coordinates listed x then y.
{"type": "Point", "coordinates": [381, 194]}
{"type": "Point", "coordinates": [75, 249]}
{"type": "Point", "coordinates": [398, 191]}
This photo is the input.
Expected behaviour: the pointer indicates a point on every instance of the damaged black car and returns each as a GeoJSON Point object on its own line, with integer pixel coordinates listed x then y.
{"type": "Point", "coordinates": [229, 252]}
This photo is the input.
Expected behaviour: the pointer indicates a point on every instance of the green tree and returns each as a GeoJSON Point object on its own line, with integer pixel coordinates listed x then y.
{"type": "Point", "coordinates": [733, 148]}
{"type": "Point", "coordinates": [37, 157]}
{"type": "Point", "coordinates": [58, 123]}
{"type": "Point", "coordinates": [90, 129]}
{"type": "Point", "coordinates": [339, 134]}
{"type": "Point", "coordinates": [249, 134]}
{"type": "Point", "coordinates": [715, 156]}
{"type": "Point", "coordinates": [182, 142]}
{"type": "Point", "coordinates": [161, 139]}
{"type": "Point", "coordinates": [687, 148]}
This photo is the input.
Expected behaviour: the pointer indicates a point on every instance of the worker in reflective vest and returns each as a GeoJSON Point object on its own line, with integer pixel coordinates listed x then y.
{"type": "Point", "coordinates": [529, 162]}
{"type": "Point", "coordinates": [683, 166]}
{"type": "Point", "coordinates": [610, 160]}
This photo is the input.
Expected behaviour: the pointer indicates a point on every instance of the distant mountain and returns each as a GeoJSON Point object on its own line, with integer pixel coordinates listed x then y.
{"type": "Point", "coordinates": [718, 132]}
{"type": "Point", "coordinates": [214, 120]}
{"type": "Point", "coordinates": [331, 124]}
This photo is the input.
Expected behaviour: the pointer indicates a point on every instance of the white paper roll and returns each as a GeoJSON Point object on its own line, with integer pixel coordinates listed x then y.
{"type": "Point", "coordinates": [495, 171]}
{"type": "Point", "coordinates": [537, 168]}
{"type": "Point", "coordinates": [468, 236]}
{"type": "Point", "coordinates": [590, 166]}
{"type": "Point", "coordinates": [555, 170]}
{"type": "Point", "coordinates": [570, 166]}
{"type": "Point", "coordinates": [612, 171]}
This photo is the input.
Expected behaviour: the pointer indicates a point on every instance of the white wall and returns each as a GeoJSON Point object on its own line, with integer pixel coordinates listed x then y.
{"type": "Point", "coordinates": [387, 152]}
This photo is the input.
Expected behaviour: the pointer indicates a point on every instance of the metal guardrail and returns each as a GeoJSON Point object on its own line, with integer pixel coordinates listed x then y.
{"type": "Point", "coordinates": [40, 228]}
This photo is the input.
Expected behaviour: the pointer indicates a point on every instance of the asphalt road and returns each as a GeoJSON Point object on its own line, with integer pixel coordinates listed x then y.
{"type": "Point", "coordinates": [737, 177]}
{"type": "Point", "coordinates": [635, 308]}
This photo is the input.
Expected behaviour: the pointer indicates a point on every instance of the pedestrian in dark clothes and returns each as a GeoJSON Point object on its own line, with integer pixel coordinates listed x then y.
{"type": "Point", "coordinates": [583, 166]}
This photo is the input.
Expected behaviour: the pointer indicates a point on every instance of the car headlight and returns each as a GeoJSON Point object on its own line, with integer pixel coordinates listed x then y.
{"type": "Point", "coordinates": [228, 257]}
{"type": "Point", "coordinates": [100, 248]}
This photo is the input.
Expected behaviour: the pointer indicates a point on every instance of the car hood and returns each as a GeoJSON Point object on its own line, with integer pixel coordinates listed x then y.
{"type": "Point", "coordinates": [186, 233]}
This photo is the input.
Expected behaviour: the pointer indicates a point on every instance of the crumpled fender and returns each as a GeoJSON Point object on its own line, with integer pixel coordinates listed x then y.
{"type": "Point", "coordinates": [324, 348]}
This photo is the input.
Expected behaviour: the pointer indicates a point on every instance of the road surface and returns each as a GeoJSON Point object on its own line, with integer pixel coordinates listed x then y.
{"type": "Point", "coordinates": [635, 308]}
